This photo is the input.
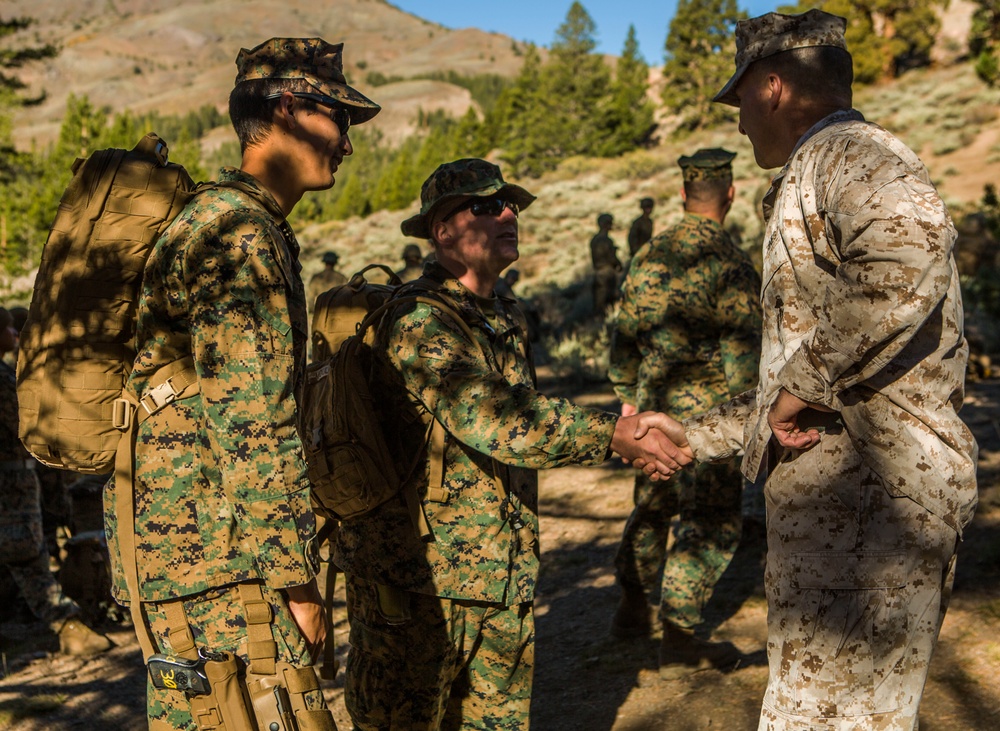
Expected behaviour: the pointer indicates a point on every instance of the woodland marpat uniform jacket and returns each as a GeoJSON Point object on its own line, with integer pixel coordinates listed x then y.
{"type": "Point", "coordinates": [500, 430]}
{"type": "Point", "coordinates": [863, 314]}
{"type": "Point", "coordinates": [688, 315]}
{"type": "Point", "coordinates": [221, 489]}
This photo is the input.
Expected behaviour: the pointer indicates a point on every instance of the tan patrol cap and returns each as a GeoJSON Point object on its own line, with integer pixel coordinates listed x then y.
{"type": "Point", "coordinates": [773, 33]}
{"type": "Point", "coordinates": [313, 60]}
{"type": "Point", "coordinates": [711, 163]}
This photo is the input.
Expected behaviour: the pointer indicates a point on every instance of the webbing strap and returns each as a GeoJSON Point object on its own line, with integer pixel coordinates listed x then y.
{"type": "Point", "coordinates": [178, 630]}
{"type": "Point", "coordinates": [261, 647]}
{"type": "Point", "coordinates": [182, 376]}
{"type": "Point", "coordinates": [437, 436]}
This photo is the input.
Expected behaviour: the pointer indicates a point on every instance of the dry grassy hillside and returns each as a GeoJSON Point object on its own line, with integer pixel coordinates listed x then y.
{"type": "Point", "coordinates": [947, 115]}
{"type": "Point", "coordinates": [148, 54]}
{"type": "Point", "coordinates": [177, 56]}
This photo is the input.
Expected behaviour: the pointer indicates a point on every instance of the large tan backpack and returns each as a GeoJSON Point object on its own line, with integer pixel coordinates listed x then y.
{"type": "Point", "coordinates": [352, 468]}
{"type": "Point", "coordinates": [77, 346]}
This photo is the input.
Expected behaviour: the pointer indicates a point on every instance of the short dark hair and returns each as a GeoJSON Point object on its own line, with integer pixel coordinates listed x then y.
{"type": "Point", "coordinates": [817, 72]}
{"type": "Point", "coordinates": [252, 114]}
{"type": "Point", "coordinates": [712, 190]}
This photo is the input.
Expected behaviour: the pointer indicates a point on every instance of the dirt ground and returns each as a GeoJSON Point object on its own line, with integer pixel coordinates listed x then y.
{"type": "Point", "coordinates": [585, 681]}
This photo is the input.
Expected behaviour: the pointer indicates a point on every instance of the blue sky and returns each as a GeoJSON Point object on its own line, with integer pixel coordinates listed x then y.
{"type": "Point", "coordinates": [537, 20]}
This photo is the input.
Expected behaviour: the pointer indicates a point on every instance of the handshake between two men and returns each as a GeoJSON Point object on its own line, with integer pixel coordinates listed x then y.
{"type": "Point", "coordinates": [656, 443]}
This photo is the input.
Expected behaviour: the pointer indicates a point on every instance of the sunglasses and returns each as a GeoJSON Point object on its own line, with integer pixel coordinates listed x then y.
{"type": "Point", "coordinates": [339, 114]}
{"type": "Point", "coordinates": [485, 207]}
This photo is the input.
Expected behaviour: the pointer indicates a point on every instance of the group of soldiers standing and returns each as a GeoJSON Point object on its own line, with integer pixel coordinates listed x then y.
{"type": "Point", "coordinates": [837, 381]}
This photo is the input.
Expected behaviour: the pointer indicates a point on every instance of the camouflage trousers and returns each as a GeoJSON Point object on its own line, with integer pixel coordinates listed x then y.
{"type": "Point", "coordinates": [857, 582]}
{"type": "Point", "coordinates": [451, 664]}
{"type": "Point", "coordinates": [217, 623]}
{"type": "Point", "coordinates": [23, 552]}
{"type": "Point", "coordinates": [706, 498]}
{"type": "Point", "coordinates": [605, 289]}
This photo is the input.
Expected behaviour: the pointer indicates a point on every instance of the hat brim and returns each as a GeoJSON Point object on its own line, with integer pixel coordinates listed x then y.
{"type": "Point", "coordinates": [728, 93]}
{"type": "Point", "coordinates": [418, 226]}
{"type": "Point", "coordinates": [362, 108]}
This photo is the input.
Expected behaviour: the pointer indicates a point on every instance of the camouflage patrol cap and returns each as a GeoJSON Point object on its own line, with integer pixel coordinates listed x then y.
{"type": "Point", "coordinates": [711, 163]}
{"type": "Point", "coordinates": [331, 257]}
{"type": "Point", "coordinates": [465, 178]}
{"type": "Point", "coordinates": [313, 60]}
{"type": "Point", "coordinates": [773, 33]}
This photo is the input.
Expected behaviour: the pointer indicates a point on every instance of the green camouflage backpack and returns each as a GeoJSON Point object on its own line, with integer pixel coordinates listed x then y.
{"type": "Point", "coordinates": [77, 346]}
{"type": "Point", "coordinates": [352, 468]}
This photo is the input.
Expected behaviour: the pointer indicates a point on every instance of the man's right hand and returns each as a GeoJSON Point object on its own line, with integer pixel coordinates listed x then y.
{"type": "Point", "coordinates": [640, 440]}
{"type": "Point", "coordinates": [652, 422]}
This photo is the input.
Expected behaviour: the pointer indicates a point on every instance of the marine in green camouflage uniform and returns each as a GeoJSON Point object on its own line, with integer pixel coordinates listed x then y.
{"type": "Point", "coordinates": [22, 544]}
{"type": "Point", "coordinates": [221, 494]}
{"type": "Point", "coordinates": [687, 337]}
{"type": "Point", "coordinates": [641, 230]}
{"type": "Point", "coordinates": [442, 630]}
{"type": "Point", "coordinates": [607, 265]}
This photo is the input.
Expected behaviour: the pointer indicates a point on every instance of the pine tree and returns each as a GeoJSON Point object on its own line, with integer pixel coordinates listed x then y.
{"type": "Point", "coordinates": [700, 49]}
{"type": "Point", "coordinates": [20, 234]}
{"type": "Point", "coordinates": [984, 40]}
{"type": "Point", "coordinates": [885, 37]}
{"type": "Point", "coordinates": [629, 112]}
{"type": "Point", "coordinates": [554, 109]}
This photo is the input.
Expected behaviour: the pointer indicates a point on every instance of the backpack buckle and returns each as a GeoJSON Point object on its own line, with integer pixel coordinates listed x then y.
{"type": "Point", "coordinates": [121, 414]}
{"type": "Point", "coordinates": [158, 397]}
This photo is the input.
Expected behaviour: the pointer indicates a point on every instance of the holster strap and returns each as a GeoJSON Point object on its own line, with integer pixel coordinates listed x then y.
{"type": "Point", "coordinates": [178, 630]}
{"type": "Point", "coordinates": [261, 647]}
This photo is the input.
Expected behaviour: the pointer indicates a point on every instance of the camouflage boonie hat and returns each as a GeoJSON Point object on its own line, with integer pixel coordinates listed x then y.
{"type": "Point", "coordinates": [412, 251]}
{"type": "Point", "coordinates": [773, 33]}
{"type": "Point", "coordinates": [331, 257]}
{"type": "Point", "coordinates": [605, 219]}
{"type": "Point", "coordinates": [712, 163]}
{"type": "Point", "coordinates": [465, 178]}
{"type": "Point", "coordinates": [313, 60]}
{"type": "Point", "coordinates": [646, 203]}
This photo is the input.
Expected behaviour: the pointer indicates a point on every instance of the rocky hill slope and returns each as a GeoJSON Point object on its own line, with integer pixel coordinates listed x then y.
{"type": "Point", "coordinates": [177, 56]}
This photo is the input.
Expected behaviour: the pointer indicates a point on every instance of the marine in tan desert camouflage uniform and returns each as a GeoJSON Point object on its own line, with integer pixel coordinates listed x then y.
{"type": "Point", "coordinates": [413, 263]}
{"type": "Point", "coordinates": [442, 630]}
{"type": "Point", "coordinates": [687, 337]}
{"type": "Point", "coordinates": [326, 278]}
{"type": "Point", "coordinates": [222, 502]}
{"type": "Point", "coordinates": [871, 474]}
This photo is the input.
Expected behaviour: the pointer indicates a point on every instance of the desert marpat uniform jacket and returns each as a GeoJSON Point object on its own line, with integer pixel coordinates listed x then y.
{"type": "Point", "coordinates": [500, 430]}
{"type": "Point", "coordinates": [688, 314]}
{"type": "Point", "coordinates": [863, 314]}
{"type": "Point", "coordinates": [221, 489]}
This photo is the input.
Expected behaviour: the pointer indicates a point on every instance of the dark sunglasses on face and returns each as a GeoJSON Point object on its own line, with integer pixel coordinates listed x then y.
{"type": "Point", "coordinates": [485, 207]}
{"type": "Point", "coordinates": [340, 114]}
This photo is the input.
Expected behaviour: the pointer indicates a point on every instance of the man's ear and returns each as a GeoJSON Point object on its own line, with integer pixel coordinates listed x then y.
{"type": "Point", "coordinates": [684, 195]}
{"type": "Point", "coordinates": [284, 112]}
{"type": "Point", "coordinates": [441, 233]}
{"type": "Point", "coordinates": [775, 90]}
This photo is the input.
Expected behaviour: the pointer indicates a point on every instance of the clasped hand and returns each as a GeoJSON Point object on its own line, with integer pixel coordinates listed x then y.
{"type": "Point", "coordinates": [653, 443]}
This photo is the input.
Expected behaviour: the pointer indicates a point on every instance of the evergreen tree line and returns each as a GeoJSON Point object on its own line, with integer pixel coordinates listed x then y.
{"type": "Point", "coordinates": [572, 103]}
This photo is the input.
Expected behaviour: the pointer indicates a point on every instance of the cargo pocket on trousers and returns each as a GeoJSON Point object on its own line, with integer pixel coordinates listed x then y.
{"type": "Point", "coordinates": [844, 634]}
